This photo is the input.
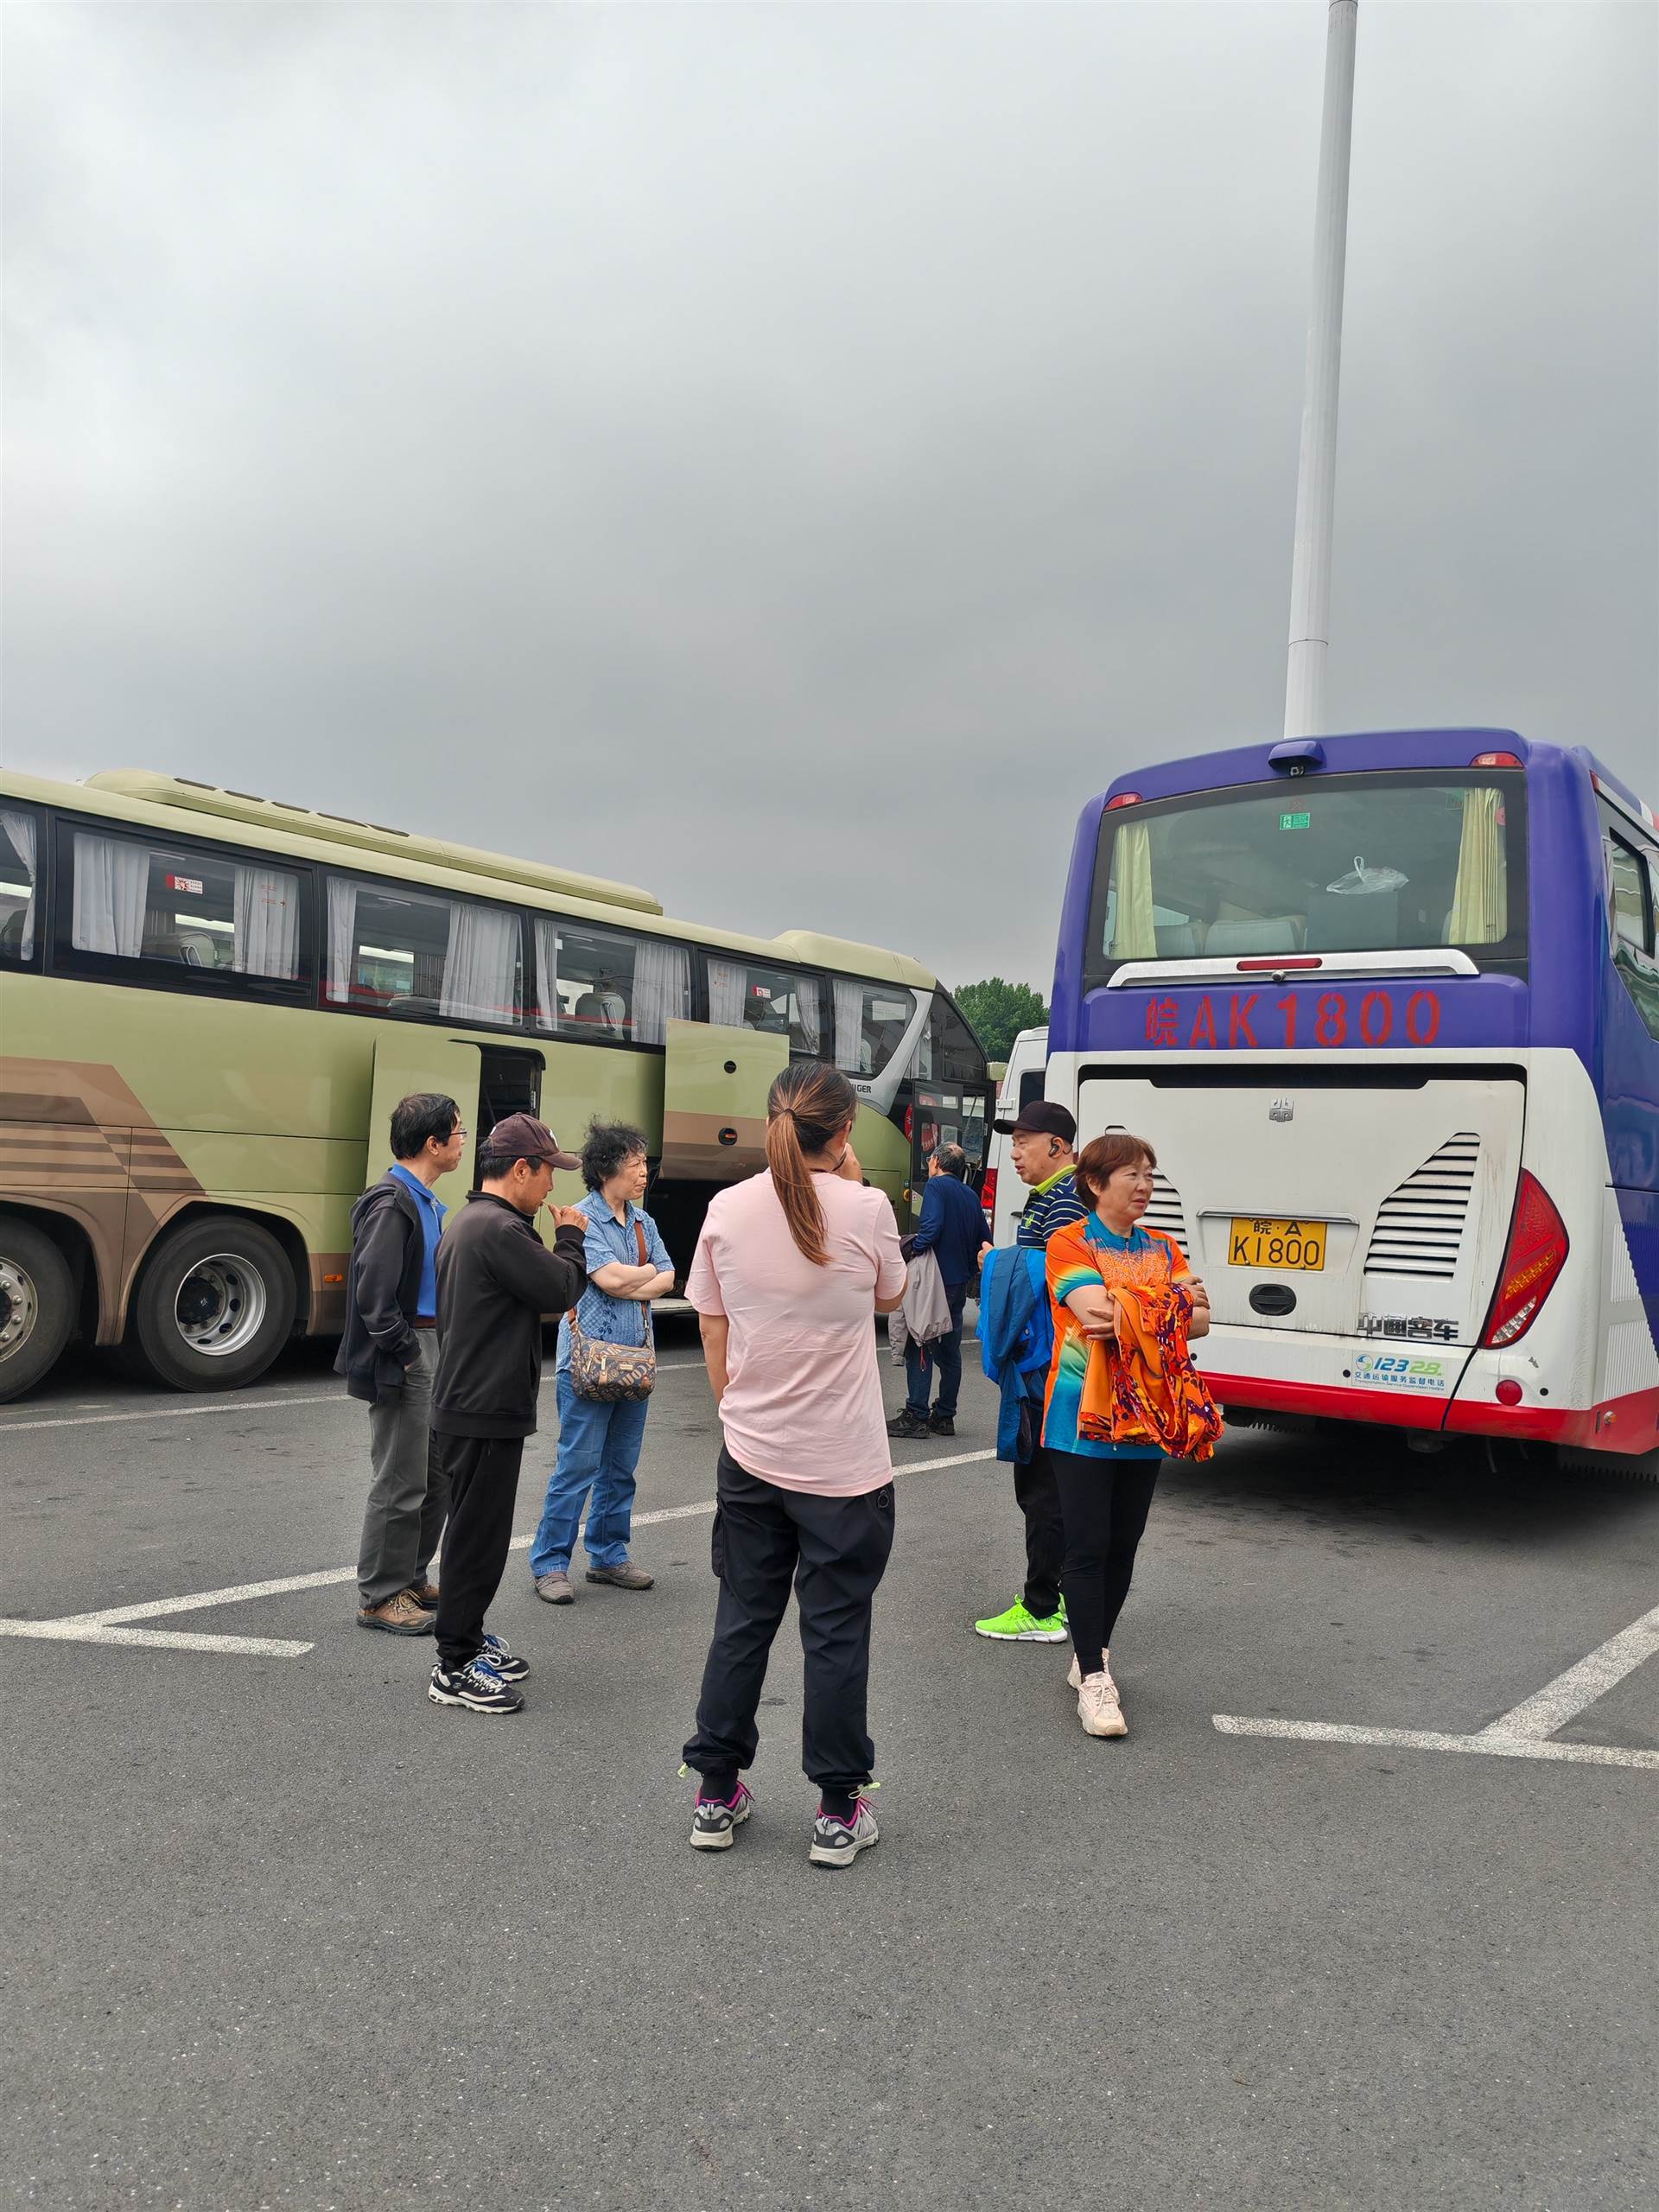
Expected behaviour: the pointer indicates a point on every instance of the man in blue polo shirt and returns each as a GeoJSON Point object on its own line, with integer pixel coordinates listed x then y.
{"type": "Point", "coordinates": [952, 1228]}
{"type": "Point", "coordinates": [388, 1356]}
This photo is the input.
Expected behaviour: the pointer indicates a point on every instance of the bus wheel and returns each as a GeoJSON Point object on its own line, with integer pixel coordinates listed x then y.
{"type": "Point", "coordinates": [37, 1305]}
{"type": "Point", "coordinates": [214, 1304]}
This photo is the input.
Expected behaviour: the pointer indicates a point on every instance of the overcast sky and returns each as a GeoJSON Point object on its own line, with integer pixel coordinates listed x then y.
{"type": "Point", "coordinates": [790, 456]}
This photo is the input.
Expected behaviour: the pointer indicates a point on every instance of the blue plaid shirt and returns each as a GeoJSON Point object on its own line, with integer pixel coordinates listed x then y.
{"type": "Point", "coordinates": [612, 1320]}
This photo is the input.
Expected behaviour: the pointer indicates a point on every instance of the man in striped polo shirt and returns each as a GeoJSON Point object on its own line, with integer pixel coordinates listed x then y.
{"type": "Point", "coordinates": [1043, 1140]}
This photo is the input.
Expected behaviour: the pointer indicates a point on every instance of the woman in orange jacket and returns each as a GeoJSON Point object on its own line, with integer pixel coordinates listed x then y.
{"type": "Point", "coordinates": [1121, 1393]}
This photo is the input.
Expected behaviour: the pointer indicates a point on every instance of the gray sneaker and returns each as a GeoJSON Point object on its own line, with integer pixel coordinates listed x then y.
{"type": "Point", "coordinates": [837, 1842]}
{"type": "Point", "coordinates": [554, 1589]}
{"type": "Point", "coordinates": [716, 1821]}
{"type": "Point", "coordinates": [626, 1577]}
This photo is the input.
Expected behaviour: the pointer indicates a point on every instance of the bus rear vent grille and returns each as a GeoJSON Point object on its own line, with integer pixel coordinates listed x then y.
{"type": "Point", "coordinates": [1165, 1211]}
{"type": "Point", "coordinates": [1420, 1230]}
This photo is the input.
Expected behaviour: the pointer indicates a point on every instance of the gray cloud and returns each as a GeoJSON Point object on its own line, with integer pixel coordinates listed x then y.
{"type": "Point", "coordinates": [792, 457]}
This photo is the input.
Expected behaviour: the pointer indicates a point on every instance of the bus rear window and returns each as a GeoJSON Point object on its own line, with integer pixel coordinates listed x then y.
{"type": "Point", "coordinates": [1383, 863]}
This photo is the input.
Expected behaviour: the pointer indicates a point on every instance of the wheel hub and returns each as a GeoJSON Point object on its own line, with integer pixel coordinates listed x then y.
{"type": "Point", "coordinates": [221, 1305]}
{"type": "Point", "coordinates": [20, 1306]}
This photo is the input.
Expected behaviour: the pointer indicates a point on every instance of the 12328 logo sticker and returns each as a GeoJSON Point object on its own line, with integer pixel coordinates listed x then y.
{"type": "Point", "coordinates": [1397, 1371]}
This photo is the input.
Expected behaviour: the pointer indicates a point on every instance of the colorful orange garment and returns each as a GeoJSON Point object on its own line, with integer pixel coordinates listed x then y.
{"type": "Point", "coordinates": [1143, 1397]}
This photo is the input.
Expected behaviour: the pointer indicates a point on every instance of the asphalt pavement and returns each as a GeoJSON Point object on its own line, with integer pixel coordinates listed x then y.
{"type": "Point", "coordinates": [278, 1933]}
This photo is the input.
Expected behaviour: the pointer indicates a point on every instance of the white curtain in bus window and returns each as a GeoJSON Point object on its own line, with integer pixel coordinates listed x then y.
{"type": "Point", "coordinates": [806, 1021]}
{"type": "Point", "coordinates": [17, 929]}
{"type": "Point", "coordinates": [265, 914]}
{"type": "Point", "coordinates": [480, 965]}
{"type": "Point", "coordinates": [1135, 933]}
{"type": "Point", "coordinates": [111, 878]}
{"type": "Point", "coordinates": [342, 938]}
{"type": "Point", "coordinates": [662, 988]}
{"type": "Point", "coordinates": [1480, 900]}
{"type": "Point", "coordinates": [726, 981]}
{"type": "Point", "coordinates": [852, 1052]}
{"type": "Point", "coordinates": [547, 972]}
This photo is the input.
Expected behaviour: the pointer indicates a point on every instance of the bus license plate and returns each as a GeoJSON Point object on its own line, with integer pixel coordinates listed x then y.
{"type": "Point", "coordinates": [1296, 1246]}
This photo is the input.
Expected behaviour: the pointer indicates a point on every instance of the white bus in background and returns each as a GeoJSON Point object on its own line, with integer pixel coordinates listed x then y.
{"type": "Point", "coordinates": [1004, 1194]}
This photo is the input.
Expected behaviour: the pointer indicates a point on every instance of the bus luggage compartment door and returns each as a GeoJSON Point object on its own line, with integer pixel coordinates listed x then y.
{"type": "Point", "coordinates": [421, 1061]}
{"type": "Point", "coordinates": [715, 1086]}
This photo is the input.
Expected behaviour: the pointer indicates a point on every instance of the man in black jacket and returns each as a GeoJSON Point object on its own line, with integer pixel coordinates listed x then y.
{"type": "Point", "coordinates": [496, 1280]}
{"type": "Point", "coordinates": [388, 1357]}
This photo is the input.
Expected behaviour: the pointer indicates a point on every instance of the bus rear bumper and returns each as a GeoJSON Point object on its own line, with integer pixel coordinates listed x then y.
{"type": "Point", "coordinates": [1453, 1390]}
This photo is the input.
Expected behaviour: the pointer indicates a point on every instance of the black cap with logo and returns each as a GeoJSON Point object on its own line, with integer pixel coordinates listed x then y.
{"type": "Point", "coordinates": [1043, 1117]}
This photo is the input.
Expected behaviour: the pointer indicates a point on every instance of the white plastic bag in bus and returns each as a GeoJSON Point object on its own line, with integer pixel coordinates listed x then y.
{"type": "Point", "coordinates": [1362, 879]}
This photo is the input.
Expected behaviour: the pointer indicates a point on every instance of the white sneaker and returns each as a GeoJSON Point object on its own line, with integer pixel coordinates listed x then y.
{"type": "Point", "coordinates": [1074, 1679]}
{"type": "Point", "coordinates": [1098, 1708]}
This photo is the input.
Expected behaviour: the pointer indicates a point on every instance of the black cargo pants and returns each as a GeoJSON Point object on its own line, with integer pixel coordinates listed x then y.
{"type": "Point", "coordinates": [835, 1551]}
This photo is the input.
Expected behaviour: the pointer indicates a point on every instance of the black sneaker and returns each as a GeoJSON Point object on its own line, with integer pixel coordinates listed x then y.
{"type": "Point", "coordinates": [716, 1822]}
{"type": "Point", "coordinates": [907, 1424]}
{"type": "Point", "coordinates": [476, 1686]}
{"type": "Point", "coordinates": [941, 1425]}
{"type": "Point", "coordinates": [507, 1664]}
{"type": "Point", "coordinates": [836, 1842]}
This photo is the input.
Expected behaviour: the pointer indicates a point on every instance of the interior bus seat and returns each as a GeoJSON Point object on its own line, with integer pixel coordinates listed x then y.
{"type": "Point", "coordinates": [1177, 940]}
{"type": "Point", "coordinates": [1283, 933]}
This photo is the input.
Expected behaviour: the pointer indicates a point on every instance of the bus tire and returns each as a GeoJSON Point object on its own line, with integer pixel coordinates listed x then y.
{"type": "Point", "coordinates": [214, 1304]}
{"type": "Point", "coordinates": [37, 1305]}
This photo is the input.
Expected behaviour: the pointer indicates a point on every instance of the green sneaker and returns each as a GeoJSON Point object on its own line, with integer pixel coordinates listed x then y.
{"type": "Point", "coordinates": [1019, 1626]}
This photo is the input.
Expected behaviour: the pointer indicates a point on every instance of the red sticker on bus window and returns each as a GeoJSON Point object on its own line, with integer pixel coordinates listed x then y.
{"type": "Point", "coordinates": [190, 883]}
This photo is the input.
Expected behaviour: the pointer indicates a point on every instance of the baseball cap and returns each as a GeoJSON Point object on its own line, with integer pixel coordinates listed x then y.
{"type": "Point", "coordinates": [1044, 1117]}
{"type": "Point", "coordinates": [521, 1136]}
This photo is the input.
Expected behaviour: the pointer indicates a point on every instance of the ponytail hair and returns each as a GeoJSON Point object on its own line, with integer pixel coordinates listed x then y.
{"type": "Point", "coordinates": [808, 1106]}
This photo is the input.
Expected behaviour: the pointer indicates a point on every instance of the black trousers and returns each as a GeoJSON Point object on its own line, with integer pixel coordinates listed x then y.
{"type": "Point", "coordinates": [1106, 1502]}
{"type": "Point", "coordinates": [483, 1474]}
{"type": "Point", "coordinates": [835, 1550]}
{"type": "Point", "coordinates": [1039, 1501]}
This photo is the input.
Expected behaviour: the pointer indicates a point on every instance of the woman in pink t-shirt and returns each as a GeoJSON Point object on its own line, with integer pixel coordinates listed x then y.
{"type": "Point", "coordinates": [791, 1268]}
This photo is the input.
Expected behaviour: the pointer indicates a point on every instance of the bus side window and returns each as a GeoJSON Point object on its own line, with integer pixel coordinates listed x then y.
{"type": "Point", "coordinates": [22, 849]}
{"type": "Point", "coordinates": [142, 912]}
{"type": "Point", "coordinates": [602, 985]}
{"type": "Point", "coordinates": [1634, 887]}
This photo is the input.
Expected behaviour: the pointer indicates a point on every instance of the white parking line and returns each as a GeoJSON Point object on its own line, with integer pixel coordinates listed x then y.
{"type": "Point", "coordinates": [233, 1404]}
{"type": "Point", "coordinates": [1523, 1733]}
{"type": "Point", "coordinates": [112, 1625]}
{"type": "Point", "coordinates": [73, 1632]}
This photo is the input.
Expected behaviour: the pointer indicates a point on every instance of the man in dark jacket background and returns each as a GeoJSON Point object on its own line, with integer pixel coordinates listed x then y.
{"type": "Point", "coordinates": [388, 1357]}
{"type": "Point", "coordinates": [495, 1281]}
{"type": "Point", "coordinates": [952, 1228]}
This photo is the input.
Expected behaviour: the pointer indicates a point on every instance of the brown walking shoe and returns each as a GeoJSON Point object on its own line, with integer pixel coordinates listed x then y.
{"type": "Point", "coordinates": [626, 1577]}
{"type": "Point", "coordinates": [554, 1589]}
{"type": "Point", "coordinates": [426, 1594]}
{"type": "Point", "coordinates": [398, 1616]}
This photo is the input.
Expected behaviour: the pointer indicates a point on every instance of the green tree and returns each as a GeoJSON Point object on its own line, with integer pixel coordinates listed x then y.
{"type": "Point", "coordinates": [997, 1012]}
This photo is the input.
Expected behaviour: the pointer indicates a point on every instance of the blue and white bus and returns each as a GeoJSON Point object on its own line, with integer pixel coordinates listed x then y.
{"type": "Point", "coordinates": [1387, 1007]}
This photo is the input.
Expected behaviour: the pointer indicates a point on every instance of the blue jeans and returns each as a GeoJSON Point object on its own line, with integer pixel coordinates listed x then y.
{"type": "Point", "coordinates": [599, 1450]}
{"type": "Point", "coordinates": [945, 1354]}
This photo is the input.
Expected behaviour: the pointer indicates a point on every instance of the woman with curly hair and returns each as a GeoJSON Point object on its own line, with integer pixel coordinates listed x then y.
{"type": "Point", "coordinates": [600, 1439]}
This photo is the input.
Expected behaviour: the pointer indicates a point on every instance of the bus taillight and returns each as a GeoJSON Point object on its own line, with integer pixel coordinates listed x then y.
{"type": "Point", "coordinates": [1535, 1255]}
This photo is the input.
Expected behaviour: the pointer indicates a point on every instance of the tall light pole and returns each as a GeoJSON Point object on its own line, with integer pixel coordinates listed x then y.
{"type": "Point", "coordinates": [1316, 477]}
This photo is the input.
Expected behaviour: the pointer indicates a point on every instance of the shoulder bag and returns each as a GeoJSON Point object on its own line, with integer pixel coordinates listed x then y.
{"type": "Point", "coordinates": [613, 1373]}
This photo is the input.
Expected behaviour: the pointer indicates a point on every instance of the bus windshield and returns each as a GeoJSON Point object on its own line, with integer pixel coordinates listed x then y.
{"type": "Point", "coordinates": [1371, 862]}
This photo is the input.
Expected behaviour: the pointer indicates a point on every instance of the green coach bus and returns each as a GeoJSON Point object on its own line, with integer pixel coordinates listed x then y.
{"type": "Point", "coordinates": [210, 1002]}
